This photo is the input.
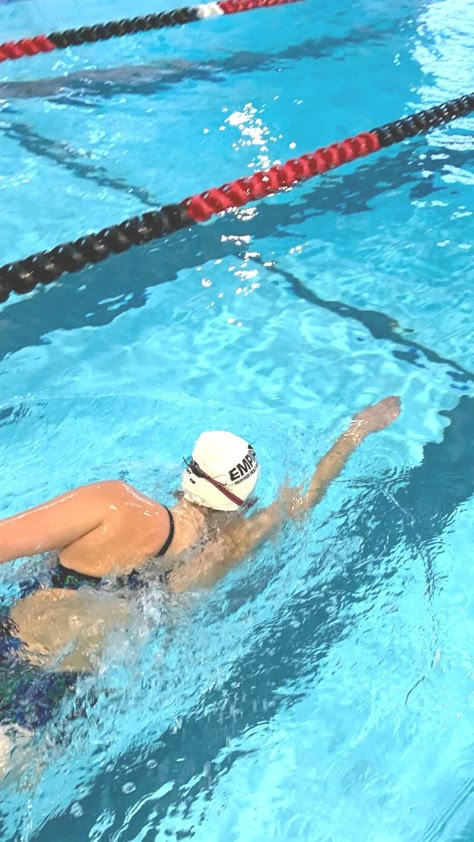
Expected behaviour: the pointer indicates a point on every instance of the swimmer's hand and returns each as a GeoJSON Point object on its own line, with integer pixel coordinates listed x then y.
{"type": "Point", "coordinates": [374, 418]}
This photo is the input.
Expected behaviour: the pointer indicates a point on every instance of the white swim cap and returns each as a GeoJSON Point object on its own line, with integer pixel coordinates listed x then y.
{"type": "Point", "coordinates": [228, 460]}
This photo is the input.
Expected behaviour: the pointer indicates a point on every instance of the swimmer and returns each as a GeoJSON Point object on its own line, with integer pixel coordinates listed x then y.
{"type": "Point", "coordinates": [110, 529]}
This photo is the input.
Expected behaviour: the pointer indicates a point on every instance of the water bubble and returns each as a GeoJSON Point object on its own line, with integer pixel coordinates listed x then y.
{"type": "Point", "coordinates": [128, 788]}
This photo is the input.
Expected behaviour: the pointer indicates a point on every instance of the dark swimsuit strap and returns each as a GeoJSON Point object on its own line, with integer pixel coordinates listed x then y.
{"type": "Point", "coordinates": [170, 537]}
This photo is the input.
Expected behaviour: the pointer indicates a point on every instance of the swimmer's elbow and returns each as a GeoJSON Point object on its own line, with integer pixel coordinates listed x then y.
{"type": "Point", "coordinates": [258, 529]}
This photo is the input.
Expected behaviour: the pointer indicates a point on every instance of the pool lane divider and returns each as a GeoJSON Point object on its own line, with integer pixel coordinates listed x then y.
{"type": "Point", "coordinates": [11, 50]}
{"type": "Point", "coordinates": [45, 267]}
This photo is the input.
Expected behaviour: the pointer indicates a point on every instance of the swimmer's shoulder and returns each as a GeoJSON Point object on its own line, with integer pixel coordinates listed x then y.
{"type": "Point", "coordinates": [118, 492]}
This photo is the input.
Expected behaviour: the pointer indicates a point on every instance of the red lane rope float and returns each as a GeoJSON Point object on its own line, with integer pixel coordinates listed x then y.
{"type": "Point", "coordinates": [237, 193]}
{"type": "Point", "coordinates": [128, 26]}
{"type": "Point", "coordinates": [47, 266]}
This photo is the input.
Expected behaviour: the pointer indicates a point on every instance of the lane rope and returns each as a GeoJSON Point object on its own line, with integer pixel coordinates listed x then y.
{"type": "Point", "coordinates": [45, 267]}
{"type": "Point", "coordinates": [11, 50]}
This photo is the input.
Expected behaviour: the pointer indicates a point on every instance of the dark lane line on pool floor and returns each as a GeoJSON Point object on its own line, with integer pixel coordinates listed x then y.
{"type": "Point", "coordinates": [417, 509]}
{"type": "Point", "coordinates": [149, 78]}
{"type": "Point", "coordinates": [67, 157]}
{"type": "Point", "coordinates": [378, 324]}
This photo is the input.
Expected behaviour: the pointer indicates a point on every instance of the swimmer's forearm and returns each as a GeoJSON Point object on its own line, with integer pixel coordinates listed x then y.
{"type": "Point", "coordinates": [331, 465]}
{"type": "Point", "coordinates": [372, 419]}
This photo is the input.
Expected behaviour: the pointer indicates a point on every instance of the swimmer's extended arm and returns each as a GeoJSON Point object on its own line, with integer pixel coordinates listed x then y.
{"type": "Point", "coordinates": [55, 524]}
{"type": "Point", "coordinates": [239, 541]}
{"type": "Point", "coordinates": [295, 501]}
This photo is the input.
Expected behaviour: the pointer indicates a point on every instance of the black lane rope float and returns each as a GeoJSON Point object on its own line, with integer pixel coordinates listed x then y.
{"type": "Point", "coordinates": [45, 267]}
{"type": "Point", "coordinates": [128, 26]}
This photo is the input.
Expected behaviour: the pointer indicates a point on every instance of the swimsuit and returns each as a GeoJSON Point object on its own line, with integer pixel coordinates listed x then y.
{"type": "Point", "coordinates": [29, 694]}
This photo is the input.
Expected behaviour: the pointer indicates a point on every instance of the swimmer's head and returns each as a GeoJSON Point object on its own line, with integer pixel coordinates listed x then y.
{"type": "Point", "coordinates": [222, 472]}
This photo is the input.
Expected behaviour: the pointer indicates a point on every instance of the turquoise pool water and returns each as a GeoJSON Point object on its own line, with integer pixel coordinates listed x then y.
{"type": "Point", "coordinates": [323, 691]}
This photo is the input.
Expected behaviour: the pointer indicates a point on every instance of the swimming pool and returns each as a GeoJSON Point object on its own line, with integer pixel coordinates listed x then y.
{"type": "Point", "coordinates": [324, 689]}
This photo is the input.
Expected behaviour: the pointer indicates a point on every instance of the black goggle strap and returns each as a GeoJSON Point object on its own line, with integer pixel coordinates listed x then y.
{"type": "Point", "coordinates": [195, 469]}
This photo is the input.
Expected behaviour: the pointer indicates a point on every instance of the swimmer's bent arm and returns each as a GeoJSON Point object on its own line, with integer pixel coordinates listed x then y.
{"type": "Point", "coordinates": [56, 523]}
{"type": "Point", "coordinates": [238, 542]}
